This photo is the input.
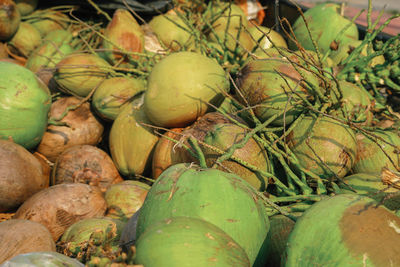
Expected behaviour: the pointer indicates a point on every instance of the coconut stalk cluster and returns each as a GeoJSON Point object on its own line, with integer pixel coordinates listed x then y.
{"type": "Point", "coordinates": [162, 140]}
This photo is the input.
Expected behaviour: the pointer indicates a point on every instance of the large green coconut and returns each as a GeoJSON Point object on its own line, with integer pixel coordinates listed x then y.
{"type": "Point", "coordinates": [345, 230]}
{"type": "Point", "coordinates": [180, 87]}
{"type": "Point", "coordinates": [221, 198]}
{"type": "Point", "coordinates": [375, 186]}
{"type": "Point", "coordinates": [377, 151]}
{"type": "Point", "coordinates": [325, 23]}
{"type": "Point", "coordinates": [131, 142]}
{"type": "Point", "coordinates": [24, 105]}
{"type": "Point", "coordinates": [323, 146]}
{"type": "Point", "coordinates": [269, 93]}
{"type": "Point", "coordinates": [187, 242]}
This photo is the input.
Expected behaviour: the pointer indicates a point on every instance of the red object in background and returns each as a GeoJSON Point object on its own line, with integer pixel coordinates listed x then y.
{"type": "Point", "coordinates": [253, 10]}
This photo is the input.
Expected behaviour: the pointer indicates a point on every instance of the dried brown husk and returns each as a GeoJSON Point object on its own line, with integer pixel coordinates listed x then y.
{"type": "Point", "coordinates": [85, 164]}
{"type": "Point", "coordinates": [60, 206]}
{"type": "Point", "coordinates": [3, 51]}
{"type": "Point", "coordinates": [23, 236]}
{"type": "Point", "coordinates": [21, 175]}
{"type": "Point", "coordinates": [82, 128]}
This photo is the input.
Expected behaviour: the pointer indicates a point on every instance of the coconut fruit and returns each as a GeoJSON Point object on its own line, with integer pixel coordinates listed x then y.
{"type": "Point", "coordinates": [356, 232]}
{"type": "Point", "coordinates": [377, 152]}
{"type": "Point", "coordinates": [323, 146]}
{"type": "Point", "coordinates": [25, 40]}
{"type": "Point", "coordinates": [24, 105]}
{"type": "Point", "coordinates": [131, 142]}
{"type": "Point", "coordinates": [125, 198]}
{"type": "Point", "coordinates": [266, 38]}
{"type": "Point", "coordinates": [115, 93]}
{"type": "Point", "coordinates": [221, 198]}
{"type": "Point", "coordinates": [171, 31]}
{"type": "Point", "coordinates": [79, 74]}
{"type": "Point", "coordinates": [10, 19]}
{"type": "Point", "coordinates": [123, 32]}
{"type": "Point", "coordinates": [78, 127]}
{"type": "Point", "coordinates": [181, 241]}
{"type": "Point", "coordinates": [21, 175]}
{"type": "Point", "coordinates": [60, 206]}
{"type": "Point", "coordinates": [180, 87]}
{"type": "Point", "coordinates": [23, 236]}
{"type": "Point", "coordinates": [47, 20]}
{"type": "Point", "coordinates": [85, 164]}
{"type": "Point", "coordinates": [26, 7]}
{"type": "Point", "coordinates": [325, 23]}
{"type": "Point", "coordinates": [47, 258]}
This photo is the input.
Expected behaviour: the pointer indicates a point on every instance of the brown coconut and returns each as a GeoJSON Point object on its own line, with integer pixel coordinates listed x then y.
{"type": "Point", "coordinates": [21, 175]}
{"type": "Point", "coordinates": [23, 236]}
{"type": "Point", "coordinates": [60, 206]}
{"type": "Point", "coordinates": [85, 164]}
{"type": "Point", "coordinates": [81, 128]}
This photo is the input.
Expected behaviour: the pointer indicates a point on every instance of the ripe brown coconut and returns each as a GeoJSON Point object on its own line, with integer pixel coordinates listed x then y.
{"type": "Point", "coordinates": [23, 236]}
{"type": "Point", "coordinates": [21, 175]}
{"type": "Point", "coordinates": [81, 128]}
{"type": "Point", "coordinates": [85, 164]}
{"type": "Point", "coordinates": [9, 19]}
{"type": "Point", "coordinates": [60, 206]}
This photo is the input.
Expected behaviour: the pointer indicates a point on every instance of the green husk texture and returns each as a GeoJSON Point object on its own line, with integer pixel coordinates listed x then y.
{"type": "Point", "coordinates": [47, 258]}
{"type": "Point", "coordinates": [324, 146]}
{"type": "Point", "coordinates": [26, 7]}
{"type": "Point", "coordinates": [180, 87]}
{"type": "Point", "coordinates": [26, 39]}
{"type": "Point", "coordinates": [324, 23]}
{"type": "Point", "coordinates": [221, 198]}
{"type": "Point", "coordinates": [24, 105]}
{"type": "Point", "coordinates": [184, 241]}
{"type": "Point", "coordinates": [355, 232]}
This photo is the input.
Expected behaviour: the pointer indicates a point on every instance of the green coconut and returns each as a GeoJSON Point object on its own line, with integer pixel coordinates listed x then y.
{"type": "Point", "coordinates": [125, 198]}
{"type": "Point", "coordinates": [221, 198]}
{"type": "Point", "coordinates": [225, 136]}
{"type": "Point", "coordinates": [123, 33]}
{"type": "Point", "coordinates": [325, 23]}
{"type": "Point", "coordinates": [267, 91]}
{"type": "Point", "coordinates": [26, 39]}
{"type": "Point", "coordinates": [355, 232]}
{"type": "Point", "coordinates": [79, 74]}
{"type": "Point", "coordinates": [226, 15]}
{"type": "Point", "coordinates": [180, 87]}
{"type": "Point", "coordinates": [266, 38]}
{"type": "Point", "coordinates": [24, 105]}
{"type": "Point", "coordinates": [47, 20]}
{"type": "Point", "coordinates": [172, 31]}
{"type": "Point", "coordinates": [96, 231]}
{"type": "Point", "coordinates": [26, 7]}
{"type": "Point", "coordinates": [47, 258]}
{"type": "Point", "coordinates": [371, 158]}
{"type": "Point", "coordinates": [374, 186]}
{"type": "Point", "coordinates": [323, 146]}
{"type": "Point", "coordinates": [49, 53]}
{"type": "Point", "coordinates": [131, 142]}
{"type": "Point", "coordinates": [10, 19]}
{"type": "Point", "coordinates": [115, 93]}
{"type": "Point", "coordinates": [184, 241]}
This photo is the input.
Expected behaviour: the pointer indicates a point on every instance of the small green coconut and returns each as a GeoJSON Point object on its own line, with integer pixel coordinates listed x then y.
{"type": "Point", "coordinates": [24, 105]}
{"type": "Point", "coordinates": [79, 74]}
{"type": "Point", "coordinates": [26, 7]}
{"type": "Point", "coordinates": [115, 93]}
{"type": "Point", "coordinates": [180, 87]}
{"type": "Point", "coordinates": [10, 19]}
{"type": "Point", "coordinates": [184, 242]}
{"type": "Point", "coordinates": [345, 230]}
{"type": "Point", "coordinates": [266, 38]}
{"type": "Point", "coordinates": [26, 39]}
{"type": "Point", "coordinates": [48, 20]}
